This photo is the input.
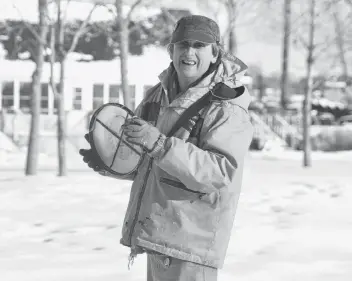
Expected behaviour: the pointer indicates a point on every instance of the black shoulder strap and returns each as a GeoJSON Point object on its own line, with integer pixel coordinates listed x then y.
{"type": "Point", "coordinates": [220, 92]}
{"type": "Point", "coordinates": [224, 92]}
{"type": "Point", "coordinates": [190, 112]}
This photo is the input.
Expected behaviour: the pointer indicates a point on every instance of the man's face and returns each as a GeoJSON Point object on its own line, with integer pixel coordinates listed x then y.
{"type": "Point", "coordinates": [192, 59]}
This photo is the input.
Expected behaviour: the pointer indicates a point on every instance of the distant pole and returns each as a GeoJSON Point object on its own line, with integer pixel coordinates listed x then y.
{"type": "Point", "coordinates": [122, 23]}
{"type": "Point", "coordinates": [308, 90]}
{"type": "Point", "coordinates": [285, 53]}
{"type": "Point", "coordinates": [340, 42]}
{"type": "Point", "coordinates": [232, 41]}
{"type": "Point", "coordinates": [34, 133]}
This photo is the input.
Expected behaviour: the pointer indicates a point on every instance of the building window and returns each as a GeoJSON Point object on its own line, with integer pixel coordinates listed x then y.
{"type": "Point", "coordinates": [7, 95]}
{"type": "Point", "coordinates": [98, 95]}
{"type": "Point", "coordinates": [56, 100]}
{"type": "Point", "coordinates": [44, 101]}
{"type": "Point", "coordinates": [77, 98]}
{"type": "Point", "coordinates": [25, 97]}
{"type": "Point", "coordinates": [114, 93]}
{"type": "Point", "coordinates": [116, 90]}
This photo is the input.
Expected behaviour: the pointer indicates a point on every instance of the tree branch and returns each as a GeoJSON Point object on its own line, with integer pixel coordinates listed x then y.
{"type": "Point", "coordinates": [168, 15]}
{"type": "Point", "coordinates": [326, 45]}
{"type": "Point", "coordinates": [232, 13]}
{"type": "Point", "coordinates": [301, 40]}
{"type": "Point", "coordinates": [7, 27]}
{"type": "Point", "coordinates": [349, 2]}
{"type": "Point", "coordinates": [52, 61]}
{"type": "Point", "coordinates": [137, 26]}
{"type": "Point", "coordinates": [81, 30]}
{"type": "Point", "coordinates": [325, 72]}
{"type": "Point", "coordinates": [135, 4]}
{"type": "Point", "coordinates": [214, 10]}
{"type": "Point", "coordinates": [30, 28]}
{"type": "Point", "coordinates": [112, 11]}
{"type": "Point", "coordinates": [65, 13]}
{"type": "Point", "coordinates": [30, 46]}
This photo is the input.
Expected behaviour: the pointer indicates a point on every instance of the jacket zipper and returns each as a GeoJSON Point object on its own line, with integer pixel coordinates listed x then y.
{"type": "Point", "coordinates": [140, 200]}
{"type": "Point", "coordinates": [178, 184]}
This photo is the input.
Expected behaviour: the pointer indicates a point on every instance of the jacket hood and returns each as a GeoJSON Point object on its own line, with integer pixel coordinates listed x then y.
{"type": "Point", "coordinates": [228, 70]}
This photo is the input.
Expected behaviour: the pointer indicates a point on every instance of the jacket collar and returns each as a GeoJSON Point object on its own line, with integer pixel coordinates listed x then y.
{"type": "Point", "coordinates": [228, 70]}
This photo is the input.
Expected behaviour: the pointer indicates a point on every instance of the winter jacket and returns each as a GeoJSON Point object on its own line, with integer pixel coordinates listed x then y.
{"type": "Point", "coordinates": [183, 202]}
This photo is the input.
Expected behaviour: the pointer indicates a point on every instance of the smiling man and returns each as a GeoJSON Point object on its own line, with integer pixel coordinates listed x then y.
{"type": "Point", "coordinates": [191, 60]}
{"type": "Point", "coordinates": [184, 194]}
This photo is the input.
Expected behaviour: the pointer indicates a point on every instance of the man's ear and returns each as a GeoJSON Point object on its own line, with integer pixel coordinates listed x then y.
{"type": "Point", "coordinates": [215, 56]}
{"type": "Point", "coordinates": [170, 50]}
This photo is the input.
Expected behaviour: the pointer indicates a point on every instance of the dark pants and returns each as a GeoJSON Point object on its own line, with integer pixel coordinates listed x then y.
{"type": "Point", "coordinates": [164, 268]}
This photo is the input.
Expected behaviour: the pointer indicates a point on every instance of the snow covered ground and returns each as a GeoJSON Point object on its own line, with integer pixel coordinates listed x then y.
{"type": "Point", "coordinates": [292, 223]}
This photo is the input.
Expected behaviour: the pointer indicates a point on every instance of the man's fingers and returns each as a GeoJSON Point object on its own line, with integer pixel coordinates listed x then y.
{"type": "Point", "coordinates": [102, 172]}
{"type": "Point", "coordinates": [96, 168]}
{"type": "Point", "coordinates": [86, 136]}
{"type": "Point", "coordinates": [135, 121]}
{"type": "Point", "coordinates": [86, 159]}
{"type": "Point", "coordinates": [133, 128]}
{"type": "Point", "coordinates": [84, 152]}
{"type": "Point", "coordinates": [135, 135]}
{"type": "Point", "coordinates": [133, 140]}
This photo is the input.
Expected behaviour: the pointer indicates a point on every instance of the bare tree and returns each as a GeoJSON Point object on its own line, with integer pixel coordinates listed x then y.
{"type": "Point", "coordinates": [349, 2]}
{"type": "Point", "coordinates": [123, 22]}
{"type": "Point", "coordinates": [33, 143]}
{"type": "Point", "coordinates": [123, 45]}
{"type": "Point", "coordinates": [308, 88]}
{"type": "Point", "coordinates": [340, 40]}
{"type": "Point", "coordinates": [318, 38]}
{"type": "Point", "coordinates": [59, 53]}
{"type": "Point", "coordinates": [285, 52]}
{"type": "Point", "coordinates": [233, 10]}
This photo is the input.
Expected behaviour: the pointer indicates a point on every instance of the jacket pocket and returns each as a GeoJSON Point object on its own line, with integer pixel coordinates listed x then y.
{"type": "Point", "coordinates": [178, 184]}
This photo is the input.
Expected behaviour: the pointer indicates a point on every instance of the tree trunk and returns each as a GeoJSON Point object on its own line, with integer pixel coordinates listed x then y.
{"type": "Point", "coordinates": [34, 138]}
{"type": "Point", "coordinates": [61, 114]}
{"type": "Point", "coordinates": [231, 12]}
{"type": "Point", "coordinates": [308, 90]}
{"type": "Point", "coordinates": [285, 53]}
{"type": "Point", "coordinates": [61, 123]}
{"type": "Point", "coordinates": [123, 44]}
{"type": "Point", "coordinates": [2, 119]}
{"type": "Point", "coordinates": [261, 86]}
{"type": "Point", "coordinates": [340, 43]}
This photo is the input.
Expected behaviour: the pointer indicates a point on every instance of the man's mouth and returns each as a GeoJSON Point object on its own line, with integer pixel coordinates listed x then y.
{"type": "Point", "coordinates": [188, 62]}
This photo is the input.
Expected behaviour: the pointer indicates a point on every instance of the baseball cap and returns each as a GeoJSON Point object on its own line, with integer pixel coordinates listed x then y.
{"type": "Point", "coordinates": [196, 27]}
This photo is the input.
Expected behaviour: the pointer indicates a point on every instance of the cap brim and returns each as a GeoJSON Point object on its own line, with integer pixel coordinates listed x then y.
{"type": "Point", "coordinates": [197, 36]}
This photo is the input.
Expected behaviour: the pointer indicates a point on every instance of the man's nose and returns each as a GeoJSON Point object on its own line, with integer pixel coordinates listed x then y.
{"type": "Point", "coordinates": [190, 50]}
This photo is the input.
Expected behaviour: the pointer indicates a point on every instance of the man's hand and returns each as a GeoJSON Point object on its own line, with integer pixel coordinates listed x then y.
{"type": "Point", "coordinates": [91, 159]}
{"type": "Point", "coordinates": [141, 133]}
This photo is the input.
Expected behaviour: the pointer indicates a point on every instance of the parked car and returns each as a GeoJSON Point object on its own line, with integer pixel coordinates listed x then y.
{"type": "Point", "coordinates": [259, 138]}
{"type": "Point", "coordinates": [345, 120]}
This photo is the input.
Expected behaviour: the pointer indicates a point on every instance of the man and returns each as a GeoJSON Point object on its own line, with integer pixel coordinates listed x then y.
{"type": "Point", "coordinates": [184, 195]}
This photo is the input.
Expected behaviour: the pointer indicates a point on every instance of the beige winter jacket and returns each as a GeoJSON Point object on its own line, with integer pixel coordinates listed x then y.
{"type": "Point", "coordinates": [183, 203]}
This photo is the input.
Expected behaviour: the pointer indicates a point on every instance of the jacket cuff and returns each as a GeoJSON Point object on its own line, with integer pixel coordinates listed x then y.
{"type": "Point", "coordinates": [160, 148]}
